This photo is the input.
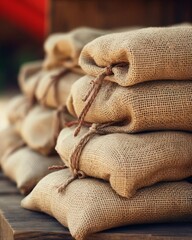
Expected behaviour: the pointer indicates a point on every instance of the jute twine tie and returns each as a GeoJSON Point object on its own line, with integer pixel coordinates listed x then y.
{"type": "Point", "coordinates": [76, 154]}
{"type": "Point", "coordinates": [59, 121]}
{"type": "Point", "coordinates": [94, 129]}
{"type": "Point", "coordinates": [57, 167]}
{"type": "Point", "coordinates": [93, 91]}
{"type": "Point", "coordinates": [54, 81]}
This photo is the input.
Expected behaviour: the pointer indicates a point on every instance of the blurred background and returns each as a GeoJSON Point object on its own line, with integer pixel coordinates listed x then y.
{"type": "Point", "coordinates": [24, 24]}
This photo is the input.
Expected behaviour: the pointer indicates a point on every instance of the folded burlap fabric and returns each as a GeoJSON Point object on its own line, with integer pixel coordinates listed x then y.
{"type": "Point", "coordinates": [90, 205]}
{"type": "Point", "coordinates": [155, 105]}
{"type": "Point", "coordinates": [28, 77]}
{"type": "Point", "coordinates": [9, 140]}
{"type": "Point", "coordinates": [17, 109]}
{"type": "Point", "coordinates": [50, 84]}
{"type": "Point", "coordinates": [128, 161]}
{"type": "Point", "coordinates": [26, 167]}
{"type": "Point", "coordinates": [54, 86]}
{"type": "Point", "coordinates": [155, 53]}
{"type": "Point", "coordinates": [49, 87]}
{"type": "Point", "coordinates": [41, 127]}
{"type": "Point", "coordinates": [63, 49]}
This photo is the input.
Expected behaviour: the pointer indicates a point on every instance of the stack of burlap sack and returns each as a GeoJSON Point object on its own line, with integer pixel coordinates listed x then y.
{"type": "Point", "coordinates": [37, 115]}
{"type": "Point", "coordinates": [130, 153]}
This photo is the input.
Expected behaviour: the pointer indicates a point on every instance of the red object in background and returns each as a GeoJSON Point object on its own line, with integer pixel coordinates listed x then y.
{"type": "Point", "coordinates": [29, 15]}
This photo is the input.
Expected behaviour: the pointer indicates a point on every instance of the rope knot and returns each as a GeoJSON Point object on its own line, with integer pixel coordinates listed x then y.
{"type": "Point", "coordinates": [108, 70]}
{"type": "Point", "coordinates": [79, 174]}
{"type": "Point", "coordinates": [93, 128]}
{"type": "Point", "coordinates": [76, 154]}
{"type": "Point", "coordinates": [93, 91]}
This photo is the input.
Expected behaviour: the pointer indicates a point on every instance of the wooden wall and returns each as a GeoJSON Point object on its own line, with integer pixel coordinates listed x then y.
{"type": "Point", "coordinates": [68, 14]}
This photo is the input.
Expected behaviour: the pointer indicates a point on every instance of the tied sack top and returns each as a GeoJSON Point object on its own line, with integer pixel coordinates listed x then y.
{"type": "Point", "coordinates": [64, 48]}
{"type": "Point", "coordinates": [154, 53]}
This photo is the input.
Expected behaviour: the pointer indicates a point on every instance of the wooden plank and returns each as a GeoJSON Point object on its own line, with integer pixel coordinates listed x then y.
{"type": "Point", "coordinates": [17, 223]}
{"type": "Point", "coordinates": [6, 186]}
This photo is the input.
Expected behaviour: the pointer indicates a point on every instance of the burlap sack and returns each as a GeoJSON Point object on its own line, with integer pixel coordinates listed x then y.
{"type": "Point", "coordinates": [54, 86]}
{"type": "Point", "coordinates": [9, 139]}
{"type": "Point", "coordinates": [155, 105]}
{"type": "Point", "coordinates": [41, 127]}
{"type": "Point", "coordinates": [26, 168]}
{"type": "Point", "coordinates": [28, 77]}
{"type": "Point", "coordinates": [63, 49]}
{"type": "Point", "coordinates": [49, 87]}
{"type": "Point", "coordinates": [129, 161]}
{"type": "Point", "coordinates": [147, 54]}
{"type": "Point", "coordinates": [17, 109]}
{"type": "Point", "coordinates": [90, 205]}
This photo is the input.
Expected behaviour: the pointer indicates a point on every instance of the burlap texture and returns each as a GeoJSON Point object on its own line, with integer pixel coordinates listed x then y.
{"type": "Point", "coordinates": [16, 111]}
{"type": "Point", "coordinates": [28, 77]}
{"type": "Point", "coordinates": [154, 53]}
{"type": "Point", "coordinates": [131, 161]}
{"type": "Point", "coordinates": [90, 205]}
{"type": "Point", "coordinates": [37, 84]}
{"type": "Point", "coordinates": [41, 127]}
{"type": "Point", "coordinates": [26, 168]}
{"type": "Point", "coordinates": [9, 138]}
{"type": "Point", "coordinates": [55, 95]}
{"type": "Point", "coordinates": [154, 105]}
{"type": "Point", "coordinates": [64, 48]}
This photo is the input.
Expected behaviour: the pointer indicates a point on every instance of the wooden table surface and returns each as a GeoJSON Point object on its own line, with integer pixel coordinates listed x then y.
{"type": "Point", "coordinates": [21, 224]}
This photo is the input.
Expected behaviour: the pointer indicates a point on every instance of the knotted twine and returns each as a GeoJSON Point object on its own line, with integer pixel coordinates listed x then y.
{"type": "Point", "coordinates": [59, 121]}
{"type": "Point", "coordinates": [93, 91]}
{"type": "Point", "coordinates": [55, 80]}
{"type": "Point", "coordinates": [95, 128]}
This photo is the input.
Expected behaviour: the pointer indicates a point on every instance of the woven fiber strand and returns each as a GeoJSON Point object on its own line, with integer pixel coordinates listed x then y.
{"type": "Point", "coordinates": [8, 138]}
{"type": "Point", "coordinates": [40, 126]}
{"type": "Point", "coordinates": [155, 105]}
{"type": "Point", "coordinates": [35, 84]}
{"type": "Point", "coordinates": [131, 161]}
{"type": "Point", "coordinates": [66, 47]}
{"type": "Point", "coordinates": [90, 205]}
{"type": "Point", "coordinates": [151, 54]}
{"type": "Point", "coordinates": [17, 109]}
{"type": "Point", "coordinates": [55, 96]}
{"type": "Point", "coordinates": [26, 168]}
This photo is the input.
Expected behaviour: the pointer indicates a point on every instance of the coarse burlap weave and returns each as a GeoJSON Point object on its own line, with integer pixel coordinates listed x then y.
{"type": "Point", "coordinates": [41, 127]}
{"type": "Point", "coordinates": [17, 109]}
{"type": "Point", "coordinates": [154, 53]}
{"type": "Point", "coordinates": [130, 161]}
{"type": "Point", "coordinates": [90, 205]}
{"type": "Point", "coordinates": [64, 48]}
{"type": "Point", "coordinates": [49, 87]}
{"type": "Point", "coordinates": [155, 105]}
{"type": "Point", "coordinates": [54, 93]}
{"type": "Point", "coordinates": [26, 168]}
{"type": "Point", "coordinates": [9, 139]}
